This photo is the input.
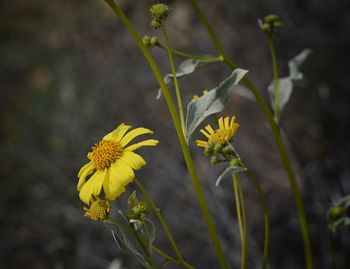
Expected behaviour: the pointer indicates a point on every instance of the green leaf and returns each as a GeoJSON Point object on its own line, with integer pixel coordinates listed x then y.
{"type": "Point", "coordinates": [229, 171]}
{"type": "Point", "coordinates": [212, 102]}
{"type": "Point", "coordinates": [148, 232]}
{"type": "Point", "coordinates": [124, 244]}
{"type": "Point", "coordinates": [187, 67]}
{"type": "Point", "coordinates": [132, 201]}
{"type": "Point", "coordinates": [286, 84]}
{"type": "Point", "coordinates": [295, 63]}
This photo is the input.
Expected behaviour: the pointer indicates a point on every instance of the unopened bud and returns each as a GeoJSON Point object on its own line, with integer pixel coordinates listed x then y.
{"type": "Point", "coordinates": [159, 13]}
{"type": "Point", "coordinates": [214, 160]}
{"type": "Point", "coordinates": [218, 147]}
{"type": "Point", "coordinates": [154, 41]}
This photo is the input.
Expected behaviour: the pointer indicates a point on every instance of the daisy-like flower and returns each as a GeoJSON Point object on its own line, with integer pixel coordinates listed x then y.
{"type": "Point", "coordinates": [99, 209]}
{"type": "Point", "coordinates": [226, 131]}
{"type": "Point", "coordinates": [112, 163]}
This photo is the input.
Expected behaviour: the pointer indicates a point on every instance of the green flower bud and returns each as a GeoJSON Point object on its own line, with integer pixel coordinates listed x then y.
{"type": "Point", "coordinates": [271, 24]}
{"type": "Point", "coordinates": [337, 212]}
{"type": "Point", "coordinates": [234, 162]}
{"type": "Point", "coordinates": [214, 160]}
{"type": "Point", "coordinates": [147, 41]}
{"type": "Point", "coordinates": [154, 41]}
{"type": "Point", "coordinates": [227, 150]}
{"type": "Point", "coordinates": [218, 147]}
{"type": "Point", "coordinates": [271, 18]}
{"type": "Point", "coordinates": [138, 211]}
{"type": "Point", "coordinates": [159, 11]}
{"type": "Point", "coordinates": [156, 24]}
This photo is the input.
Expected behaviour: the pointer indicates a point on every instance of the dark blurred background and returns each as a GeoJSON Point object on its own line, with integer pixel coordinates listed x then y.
{"type": "Point", "coordinates": [70, 73]}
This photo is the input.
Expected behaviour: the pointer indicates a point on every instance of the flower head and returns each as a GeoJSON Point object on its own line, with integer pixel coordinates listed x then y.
{"type": "Point", "coordinates": [112, 163]}
{"type": "Point", "coordinates": [99, 210]}
{"type": "Point", "coordinates": [159, 13]}
{"type": "Point", "coordinates": [224, 133]}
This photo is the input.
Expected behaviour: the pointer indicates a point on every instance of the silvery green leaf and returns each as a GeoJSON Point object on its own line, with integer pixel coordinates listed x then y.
{"type": "Point", "coordinates": [344, 202]}
{"type": "Point", "coordinates": [148, 232]}
{"type": "Point", "coordinates": [186, 67]}
{"type": "Point", "coordinates": [229, 171]}
{"type": "Point", "coordinates": [285, 88]}
{"type": "Point", "coordinates": [124, 244]}
{"type": "Point", "coordinates": [295, 63]}
{"type": "Point", "coordinates": [212, 102]}
{"type": "Point", "coordinates": [285, 85]}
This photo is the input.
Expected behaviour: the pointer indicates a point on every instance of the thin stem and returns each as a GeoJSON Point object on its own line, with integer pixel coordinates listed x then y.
{"type": "Point", "coordinates": [191, 56]}
{"type": "Point", "coordinates": [244, 254]}
{"type": "Point", "coordinates": [276, 134]}
{"type": "Point", "coordinates": [238, 209]}
{"type": "Point", "coordinates": [128, 230]}
{"type": "Point", "coordinates": [162, 222]}
{"type": "Point", "coordinates": [262, 198]}
{"type": "Point", "coordinates": [176, 82]}
{"type": "Point", "coordinates": [184, 147]}
{"type": "Point", "coordinates": [275, 78]}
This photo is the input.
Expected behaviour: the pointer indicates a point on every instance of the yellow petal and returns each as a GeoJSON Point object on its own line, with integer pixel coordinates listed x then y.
{"type": "Point", "coordinates": [221, 123]}
{"type": "Point", "coordinates": [134, 133]}
{"type": "Point", "coordinates": [204, 133]}
{"type": "Point", "coordinates": [121, 173]}
{"type": "Point", "coordinates": [226, 123]}
{"type": "Point", "coordinates": [118, 133]}
{"type": "Point", "coordinates": [85, 171]}
{"type": "Point", "coordinates": [111, 187]}
{"type": "Point", "coordinates": [149, 142]}
{"type": "Point", "coordinates": [209, 129]}
{"type": "Point", "coordinates": [133, 160]}
{"type": "Point", "coordinates": [201, 143]}
{"type": "Point", "coordinates": [232, 121]}
{"type": "Point", "coordinates": [93, 186]}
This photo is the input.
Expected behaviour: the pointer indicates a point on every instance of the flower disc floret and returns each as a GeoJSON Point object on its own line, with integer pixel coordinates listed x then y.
{"type": "Point", "coordinates": [99, 210]}
{"type": "Point", "coordinates": [227, 129]}
{"type": "Point", "coordinates": [112, 163]}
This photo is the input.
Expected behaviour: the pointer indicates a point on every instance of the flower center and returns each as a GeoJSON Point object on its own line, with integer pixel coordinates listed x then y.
{"type": "Point", "coordinates": [99, 210]}
{"type": "Point", "coordinates": [105, 153]}
{"type": "Point", "coordinates": [220, 136]}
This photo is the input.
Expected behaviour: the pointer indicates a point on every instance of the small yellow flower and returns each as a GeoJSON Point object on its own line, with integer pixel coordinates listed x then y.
{"type": "Point", "coordinates": [99, 210]}
{"type": "Point", "coordinates": [112, 163]}
{"type": "Point", "coordinates": [195, 97]}
{"type": "Point", "coordinates": [225, 132]}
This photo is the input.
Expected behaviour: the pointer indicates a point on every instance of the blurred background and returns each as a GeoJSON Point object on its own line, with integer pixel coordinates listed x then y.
{"type": "Point", "coordinates": [70, 73]}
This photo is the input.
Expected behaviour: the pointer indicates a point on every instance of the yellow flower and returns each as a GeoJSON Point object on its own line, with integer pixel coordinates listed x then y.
{"type": "Point", "coordinates": [225, 132]}
{"type": "Point", "coordinates": [99, 210]}
{"type": "Point", "coordinates": [111, 163]}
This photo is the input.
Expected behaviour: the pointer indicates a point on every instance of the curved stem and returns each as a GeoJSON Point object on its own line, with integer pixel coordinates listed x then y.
{"type": "Point", "coordinates": [191, 56]}
{"type": "Point", "coordinates": [275, 79]}
{"type": "Point", "coordinates": [176, 82]}
{"type": "Point", "coordinates": [277, 136]}
{"type": "Point", "coordinates": [262, 198]}
{"type": "Point", "coordinates": [162, 222]}
{"type": "Point", "coordinates": [185, 150]}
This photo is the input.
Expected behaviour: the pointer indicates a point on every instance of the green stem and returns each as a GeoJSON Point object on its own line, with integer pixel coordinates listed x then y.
{"type": "Point", "coordinates": [162, 222]}
{"type": "Point", "coordinates": [243, 221]}
{"type": "Point", "coordinates": [238, 209]}
{"type": "Point", "coordinates": [261, 194]}
{"type": "Point", "coordinates": [275, 79]}
{"type": "Point", "coordinates": [176, 82]}
{"type": "Point", "coordinates": [128, 230]}
{"type": "Point", "coordinates": [185, 150]}
{"type": "Point", "coordinates": [191, 56]}
{"type": "Point", "coordinates": [276, 134]}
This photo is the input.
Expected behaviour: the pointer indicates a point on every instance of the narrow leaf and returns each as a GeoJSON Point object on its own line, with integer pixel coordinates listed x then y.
{"type": "Point", "coordinates": [187, 67]}
{"type": "Point", "coordinates": [212, 102]}
{"type": "Point", "coordinates": [228, 172]}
